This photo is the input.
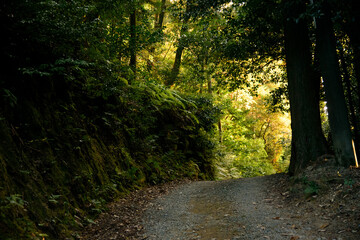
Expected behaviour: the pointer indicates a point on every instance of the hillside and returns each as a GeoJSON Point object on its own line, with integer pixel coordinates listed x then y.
{"type": "Point", "coordinates": [62, 160]}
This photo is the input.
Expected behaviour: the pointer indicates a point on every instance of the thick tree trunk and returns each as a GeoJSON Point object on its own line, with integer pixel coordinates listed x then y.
{"type": "Point", "coordinates": [349, 96]}
{"type": "Point", "coordinates": [329, 66]}
{"type": "Point", "coordinates": [356, 49]}
{"type": "Point", "coordinates": [308, 141]}
{"type": "Point", "coordinates": [351, 27]}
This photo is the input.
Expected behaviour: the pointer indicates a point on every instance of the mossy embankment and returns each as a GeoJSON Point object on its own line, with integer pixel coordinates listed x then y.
{"type": "Point", "coordinates": [62, 158]}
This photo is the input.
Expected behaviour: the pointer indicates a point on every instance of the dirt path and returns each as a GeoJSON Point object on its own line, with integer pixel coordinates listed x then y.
{"type": "Point", "coordinates": [253, 208]}
{"type": "Point", "coordinates": [233, 209]}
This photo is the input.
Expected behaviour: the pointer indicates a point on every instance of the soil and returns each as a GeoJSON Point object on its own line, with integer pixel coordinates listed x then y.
{"type": "Point", "coordinates": [321, 203]}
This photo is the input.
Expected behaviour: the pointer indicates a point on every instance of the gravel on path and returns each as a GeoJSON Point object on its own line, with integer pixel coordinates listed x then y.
{"type": "Point", "coordinates": [230, 209]}
{"type": "Point", "coordinates": [269, 207]}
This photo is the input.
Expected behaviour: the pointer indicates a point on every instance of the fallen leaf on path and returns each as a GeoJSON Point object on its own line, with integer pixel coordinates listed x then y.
{"type": "Point", "coordinates": [325, 225]}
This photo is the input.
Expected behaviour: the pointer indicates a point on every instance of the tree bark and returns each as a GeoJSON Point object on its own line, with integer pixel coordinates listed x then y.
{"type": "Point", "coordinates": [308, 142]}
{"type": "Point", "coordinates": [329, 67]}
{"type": "Point", "coordinates": [160, 19]}
{"type": "Point", "coordinates": [181, 46]}
{"type": "Point", "coordinates": [351, 26]}
{"type": "Point", "coordinates": [176, 67]}
{"type": "Point", "coordinates": [350, 99]}
{"type": "Point", "coordinates": [132, 41]}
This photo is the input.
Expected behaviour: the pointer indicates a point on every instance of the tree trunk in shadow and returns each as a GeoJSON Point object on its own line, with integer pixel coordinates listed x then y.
{"type": "Point", "coordinates": [308, 142]}
{"type": "Point", "coordinates": [350, 99]}
{"type": "Point", "coordinates": [329, 66]}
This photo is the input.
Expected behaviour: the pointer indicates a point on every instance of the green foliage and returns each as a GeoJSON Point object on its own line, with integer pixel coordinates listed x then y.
{"type": "Point", "coordinates": [308, 188]}
{"type": "Point", "coordinates": [14, 218]}
{"type": "Point", "coordinates": [72, 157]}
{"type": "Point", "coordinates": [256, 141]}
{"type": "Point", "coordinates": [349, 182]}
{"type": "Point", "coordinates": [312, 188]}
{"type": "Point", "coordinates": [79, 126]}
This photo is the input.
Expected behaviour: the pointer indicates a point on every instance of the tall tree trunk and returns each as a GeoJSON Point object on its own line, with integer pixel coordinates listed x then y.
{"type": "Point", "coordinates": [220, 131]}
{"type": "Point", "coordinates": [209, 83]}
{"type": "Point", "coordinates": [351, 27]}
{"type": "Point", "coordinates": [308, 141]}
{"type": "Point", "coordinates": [356, 61]}
{"type": "Point", "coordinates": [161, 16]}
{"type": "Point", "coordinates": [176, 67]}
{"type": "Point", "coordinates": [159, 19]}
{"type": "Point", "coordinates": [329, 66]}
{"type": "Point", "coordinates": [132, 41]}
{"type": "Point", "coordinates": [355, 44]}
{"type": "Point", "coordinates": [208, 76]}
{"type": "Point", "coordinates": [181, 46]}
{"type": "Point", "coordinates": [350, 99]}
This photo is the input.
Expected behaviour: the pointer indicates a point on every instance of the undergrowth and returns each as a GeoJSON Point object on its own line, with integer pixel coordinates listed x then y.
{"type": "Point", "coordinates": [62, 159]}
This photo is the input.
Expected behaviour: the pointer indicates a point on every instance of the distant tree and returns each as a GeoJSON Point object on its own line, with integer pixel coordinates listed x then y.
{"type": "Point", "coordinates": [133, 38]}
{"type": "Point", "coordinates": [192, 10]}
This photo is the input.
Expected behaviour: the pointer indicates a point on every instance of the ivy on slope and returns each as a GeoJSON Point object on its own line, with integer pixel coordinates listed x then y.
{"type": "Point", "coordinates": [62, 159]}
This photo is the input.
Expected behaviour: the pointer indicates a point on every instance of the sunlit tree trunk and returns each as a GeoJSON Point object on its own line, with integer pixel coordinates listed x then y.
{"type": "Point", "coordinates": [329, 66]}
{"type": "Point", "coordinates": [160, 19]}
{"type": "Point", "coordinates": [180, 48]}
{"type": "Point", "coordinates": [158, 24]}
{"type": "Point", "coordinates": [308, 141]}
{"type": "Point", "coordinates": [176, 67]}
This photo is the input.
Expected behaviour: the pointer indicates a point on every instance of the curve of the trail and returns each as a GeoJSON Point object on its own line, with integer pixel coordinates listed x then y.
{"type": "Point", "coordinates": [219, 210]}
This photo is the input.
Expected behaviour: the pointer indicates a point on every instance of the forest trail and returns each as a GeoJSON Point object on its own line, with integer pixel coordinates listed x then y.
{"type": "Point", "coordinates": [250, 208]}
{"type": "Point", "coordinates": [232, 209]}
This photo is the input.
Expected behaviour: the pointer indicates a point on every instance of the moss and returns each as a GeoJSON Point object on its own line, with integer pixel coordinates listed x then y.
{"type": "Point", "coordinates": [62, 164]}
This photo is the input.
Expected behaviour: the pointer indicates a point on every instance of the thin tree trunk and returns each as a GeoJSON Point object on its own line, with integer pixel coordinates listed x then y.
{"type": "Point", "coordinates": [181, 46]}
{"type": "Point", "coordinates": [308, 141]}
{"type": "Point", "coordinates": [132, 42]}
{"type": "Point", "coordinates": [329, 66]}
{"type": "Point", "coordinates": [176, 67]}
{"type": "Point", "coordinates": [160, 20]}
{"type": "Point", "coordinates": [220, 131]}
{"type": "Point", "coordinates": [208, 77]}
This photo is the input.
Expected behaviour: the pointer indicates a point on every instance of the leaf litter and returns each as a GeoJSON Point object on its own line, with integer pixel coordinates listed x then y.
{"type": "Point", "coordinates": [282, 209]}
